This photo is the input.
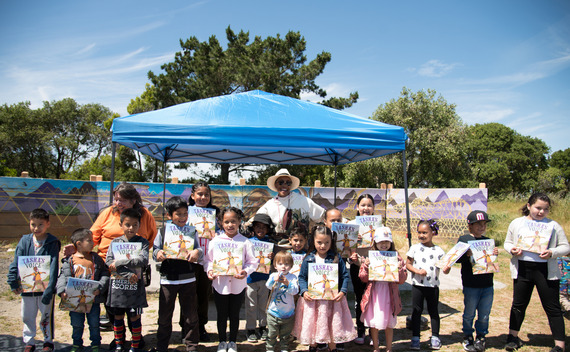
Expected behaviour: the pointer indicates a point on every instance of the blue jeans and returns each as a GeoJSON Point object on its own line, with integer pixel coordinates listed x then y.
{"type": "Point", "coordinates": [480, 300]}
{"type": "Point", "coordinates": [78, 323]}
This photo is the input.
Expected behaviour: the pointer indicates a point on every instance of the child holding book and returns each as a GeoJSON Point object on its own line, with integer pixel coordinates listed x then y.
{"type": "Point", "coordinates": [323, 321]}
{"type": "Point", "coordinates": [201, 197]}
{"type": "Point", "coordinates": [229, 290]}
{"type": "Point", "coordinates": [256, 292]}
{"type": "Point", "coordinates": [477, 289]}
{"type": "Point", "coordinates": [421, 259]}
{"type": "Point", "coordinates": [127, 258]}
{"type": "Point", "coordinates": [177, 277]}
{"type": "Point", "coordinates": [84, 264]}
{"type": "Point", "coordinates": [536, 268]}
{"type": "Point", "coordinates": [381, 301]}
{"type": "Point", "coordinates": [281, 308]}
{"type": "Point", "coordinates": [38, 243]}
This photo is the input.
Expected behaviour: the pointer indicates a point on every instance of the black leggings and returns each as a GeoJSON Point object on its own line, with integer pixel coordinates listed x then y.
{"type": "Point", "coordinates": [359, 288]}
{"type": "Point", "coordinates": [532, 274]}
{"type": "Point", "coordinates": [431, 295]}
{"type": "Point", "coordinates": [228, 306]}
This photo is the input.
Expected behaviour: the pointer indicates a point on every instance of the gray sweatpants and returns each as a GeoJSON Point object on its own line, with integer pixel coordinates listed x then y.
{"type": "Point", "coordinates": [255, 305]}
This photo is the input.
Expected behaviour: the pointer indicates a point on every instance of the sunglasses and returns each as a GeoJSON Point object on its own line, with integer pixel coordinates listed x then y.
{"type": "Point", "coordinates": [282, 182]}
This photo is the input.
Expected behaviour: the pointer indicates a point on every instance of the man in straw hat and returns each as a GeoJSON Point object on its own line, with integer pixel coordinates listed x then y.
{"type": "Point", "coordinates": [289, 209]}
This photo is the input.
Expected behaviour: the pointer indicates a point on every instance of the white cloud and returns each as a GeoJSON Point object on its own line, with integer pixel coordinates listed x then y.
{"type": "Point", "coordinates": [434, 69]}
{"type": "Point", "coordinates": [486, 114]}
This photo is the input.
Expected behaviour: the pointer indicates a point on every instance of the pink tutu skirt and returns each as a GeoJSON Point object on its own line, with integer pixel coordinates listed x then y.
{"type": "Point", "coordinates": [378, 313]}
{"type": "Point", "coordinates": [323, 321]}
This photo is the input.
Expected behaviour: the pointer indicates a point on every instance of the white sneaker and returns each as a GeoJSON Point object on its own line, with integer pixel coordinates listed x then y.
{"type": "Point", "coordinates": [232, 347]}
{"type": "Point", "coordinates": [222, 346]}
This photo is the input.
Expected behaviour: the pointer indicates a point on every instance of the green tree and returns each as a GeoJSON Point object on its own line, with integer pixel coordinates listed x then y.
{"type": "Point", "coordinates": [76, 132]}
{"type": "Point", "coordinates": [505, 160]}
{"type": "Point", "coordinates": [560, 159]}
{"type": "Point", "coordinates": [274, 64]}
{"type": "Point", "coordinates": [434, 151]}
{"type": "Point", "coordinates": [25, 137]}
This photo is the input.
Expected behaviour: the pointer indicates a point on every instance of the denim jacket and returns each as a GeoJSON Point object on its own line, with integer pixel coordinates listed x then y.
{"type": "Point", "coordinates": [310, 258]}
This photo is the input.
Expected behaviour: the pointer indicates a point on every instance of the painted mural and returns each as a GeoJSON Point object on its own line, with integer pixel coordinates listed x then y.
{"type": "Point", "coordinates": [74, 204]}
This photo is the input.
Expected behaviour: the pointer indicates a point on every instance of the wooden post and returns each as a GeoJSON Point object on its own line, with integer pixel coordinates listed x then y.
{"type": "Point", "coordinates": [93, 178]}
{"type": "Point", "coordinates": [25, 174]}
{"type": "Point", "coordinates": [382, 185]}
{"type": "Point", "coordinates": [99, 178]}
{"type": "Point", "coordinates": [482, 185]}
{"type": "Point", "coordinates": [242, 181]}
{"type": "Point", "coordinates": [174, 180]}
{"type": "Point", "coordinates": [317, 183]}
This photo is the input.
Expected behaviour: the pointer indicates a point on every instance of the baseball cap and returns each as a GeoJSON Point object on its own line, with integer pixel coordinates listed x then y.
{"type": "Point", "coordinates": [477, 215]}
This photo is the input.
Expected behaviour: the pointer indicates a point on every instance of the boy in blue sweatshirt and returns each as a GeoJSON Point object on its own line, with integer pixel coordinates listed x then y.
{"type": "Point", "coordinates": [37, 243]}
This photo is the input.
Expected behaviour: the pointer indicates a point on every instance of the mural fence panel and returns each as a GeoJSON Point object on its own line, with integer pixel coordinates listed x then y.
{"type": "Point", "coordinates": [74, 204]}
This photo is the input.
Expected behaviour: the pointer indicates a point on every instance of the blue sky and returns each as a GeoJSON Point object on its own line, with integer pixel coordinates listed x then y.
{"type": "Point", "coordinates": [498, 61]}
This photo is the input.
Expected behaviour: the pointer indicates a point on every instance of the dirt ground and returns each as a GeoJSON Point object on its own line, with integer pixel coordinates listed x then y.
{"type": "Point", "coordinates": [535, 331]}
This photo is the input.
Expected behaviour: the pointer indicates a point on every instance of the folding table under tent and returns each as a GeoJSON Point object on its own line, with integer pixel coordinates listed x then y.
{"type": "Point", "coordinates": [256, 127]}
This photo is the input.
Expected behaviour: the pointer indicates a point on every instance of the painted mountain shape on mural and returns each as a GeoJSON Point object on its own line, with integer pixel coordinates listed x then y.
{"type": "Point", "coordinates": [86, 188]}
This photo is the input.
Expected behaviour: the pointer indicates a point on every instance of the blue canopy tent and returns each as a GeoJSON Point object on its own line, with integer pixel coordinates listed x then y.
{"type": "Point", "coordinates": [256, 127]}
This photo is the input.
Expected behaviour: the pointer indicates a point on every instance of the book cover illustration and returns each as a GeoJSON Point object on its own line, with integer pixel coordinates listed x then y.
{"type": "Point", "coordinates": [204, 220]}
{"type": "Point", "coordinates": [453, 255]}
{"type": "Point", "coordinates": [534, 236]}
{"type": "Point", "coordinates": [383, 266]}
{"type": "Point", "coordinates": [126, 251]}
{"type": "Point", "coordinates": [262, 251]}
{"type": "Point", "coordinates": [323, 281]}
{"type": "Point", "coordinates": [368, 226]}
{"type": "Point", "coordinates": [227, 257]}
{"type": "Point", "coordinates": [34, 272]}
{"type": "Point", "coordinates": [347, 237]}
{"type": "Point", "coordinates": [482, 256]}
{"type": "Point", "coordinates": [178, 241]}
{"type": "Point", "coordinates": [80, 295]}
{"type": "Point", "coordinates": [297, 261]}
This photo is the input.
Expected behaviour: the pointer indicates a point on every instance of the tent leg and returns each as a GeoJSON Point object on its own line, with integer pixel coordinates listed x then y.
{"type": "Point", "coordinates": [409, 234]}
{"type": "Point", "coordinates": [163, 190]}
{"type": "Point", "coordinates": [334, 199]}
{"type": "Point", "coordinates": [113, 152]}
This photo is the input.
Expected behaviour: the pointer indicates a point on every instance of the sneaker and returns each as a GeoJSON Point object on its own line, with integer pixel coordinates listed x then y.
{"type": "Point", "coordinates": [340, 347]}
{"type": "Point", "coordinates": [513, 343]}
{"type": "Point", "coordinates": [415, 344]}
{"type": "Point", "coordinates": [222, 347]}
{"type": "Point", "coordinates": [77, 348]}
{"type": "Point", "coordinates": [434, 343]}
{"type": "Point", "coordinates": [322, 347]}
{"type": "Point", "coordinates": [480, 344]}
{"type": "Point", "coordinates": [360, 339]}
{"type": "Point", "coordinates": [135, 349]}
{"type": "Point", "coordinates": [232, 347]}
{"type": "Point", "coordinates": [468, 344]}
{"type": "Point", "coordinates": [312, 349]}
{"type": "Point", "coordinates": [557, 349]}
{"type": "Point", "coordinates": [251, 336]}
{"type": "Point", "coordinates": [120, 348]}
{"type": "Point", "coordinates": [264, 333]}
{"type": "Point", "coordinates": [48, 347]}
{"type": "Point", "coordinates": [30, 348]}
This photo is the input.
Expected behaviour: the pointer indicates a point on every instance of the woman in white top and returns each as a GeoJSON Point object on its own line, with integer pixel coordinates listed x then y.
{"type": "Point", "coordinates": [535, 242]}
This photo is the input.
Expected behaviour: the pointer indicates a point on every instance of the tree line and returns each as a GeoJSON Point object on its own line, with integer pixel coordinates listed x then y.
{"type": "Point", "coordinates": [67, 140]}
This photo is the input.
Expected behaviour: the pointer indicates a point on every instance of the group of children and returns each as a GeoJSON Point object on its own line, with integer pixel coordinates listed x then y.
{"type": "Point", "coordinates": [279, 307]}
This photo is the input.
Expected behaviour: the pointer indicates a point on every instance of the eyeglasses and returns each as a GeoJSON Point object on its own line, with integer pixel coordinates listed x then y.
{"type": "Point", "coordinates": [282, 182]}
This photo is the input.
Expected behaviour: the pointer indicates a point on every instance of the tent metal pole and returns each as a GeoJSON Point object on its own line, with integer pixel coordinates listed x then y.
{"type": "Point", "coordinates": [164, 187]}
{"type": "Point", "coordinates": [113, 152]}
{"type": "Point", "coordinates": [409, 234]}
{"type": "Point", "coordinates": [334, 199]}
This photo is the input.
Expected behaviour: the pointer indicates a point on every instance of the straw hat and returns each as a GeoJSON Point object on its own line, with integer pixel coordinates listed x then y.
{"type": "Point", "coordinates": [282, 173]}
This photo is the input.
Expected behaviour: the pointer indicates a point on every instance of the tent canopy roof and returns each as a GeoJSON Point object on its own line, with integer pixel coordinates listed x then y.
{"type": "Point", "coordinates": [256, 127]}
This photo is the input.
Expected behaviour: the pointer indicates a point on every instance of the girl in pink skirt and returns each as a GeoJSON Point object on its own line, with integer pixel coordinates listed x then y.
{"type": "Point", "coordinates": [320, 321]}
{"type": "Point", "coordinates": [381, 301]}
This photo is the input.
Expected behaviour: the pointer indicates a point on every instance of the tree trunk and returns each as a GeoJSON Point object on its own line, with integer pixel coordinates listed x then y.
{"type": "Point", "coordinates": [225, 174]}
